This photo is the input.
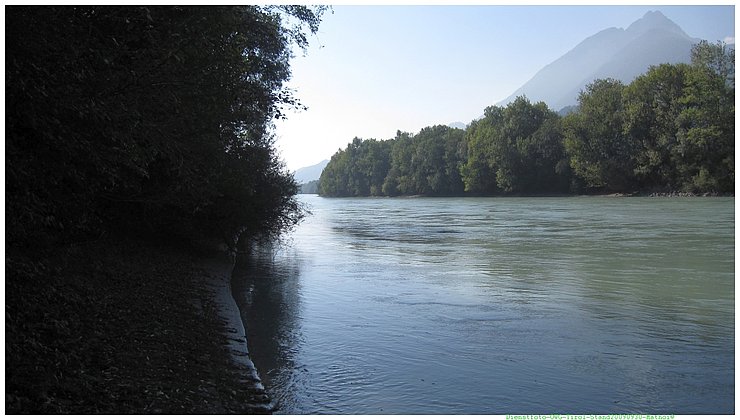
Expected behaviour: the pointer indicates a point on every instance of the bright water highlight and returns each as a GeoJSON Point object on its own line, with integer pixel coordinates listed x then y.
{"type": "Point", "coordinates": [497, 305]}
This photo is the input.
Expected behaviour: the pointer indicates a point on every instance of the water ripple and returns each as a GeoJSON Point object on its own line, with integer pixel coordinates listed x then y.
{"type": "Point", "coordinates": [491, 306]}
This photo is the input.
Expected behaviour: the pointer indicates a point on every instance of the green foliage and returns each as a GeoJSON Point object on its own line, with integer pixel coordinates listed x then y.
{"type": "Point", "coordinates": [151, 119]}
{"type": "Point", "coordinates": [519, 146]}
{"type": "Point", "coordinates": [671, 129]}
{"type": "Point", "coordinates": [478, 173]}
{"type": "Point", "coordinates": [311, 187]}
{"type": "Point", "coordinates": [426, 163]}
{"type": "Point", "coordinates": [356, 171]}
{"type": "Point", "coordinates": [407, 165]}
{"type": "Point", "coordinates": [717, 59]}
{"type": "Point", "coordinates": [705, 152]}
{"type": "Point", "coordinates": [599, 152]}
{"type": "Point", "coordinates": [398, 181]}
{"type": "Point", "coordinates": [653, 104]}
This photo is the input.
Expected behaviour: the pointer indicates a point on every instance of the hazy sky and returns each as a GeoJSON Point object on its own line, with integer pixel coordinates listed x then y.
{"type": "Point", "coordinates": [372, 70]}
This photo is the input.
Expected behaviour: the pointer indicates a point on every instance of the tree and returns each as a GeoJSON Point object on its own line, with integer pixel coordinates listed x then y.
{"type": "Point", "coordinates": [545, 166]}
{"type": "Point", "coordinates": [705, 150]}
{"type": "Point", "coordinates": [519, 148]}
{"type": "Point", "coordinates": [600, 153]}
{"type": "Point", "coordinates": [479, 172]}
{"type": "Point", "coordinates": [398, 181]}
{"type": "Point", "coordinates": [671, 128]}
{"type": "Point", "coordinates": [530, 149]}
{"type": "Point", "coordinates": [652, 105]}
{"type": "Point", "coordinates": [718, 59]}
{"type": "Point", "coordinates": [310, 187]}
{"type": "Point", "coordinates": [147, 118]}
{"type": "Point", "coordinates": [435, 161]}
{"type": "Point", "coordinates": [682, 118]}
{"type": "Point", "coordinates": [455, 154]}
{"type": "Point", "coordinates": [358, 170]}
{"type": "Point", "coordinates": [334, 179]}
{"type": "Point", "coordinates": [425, 164]}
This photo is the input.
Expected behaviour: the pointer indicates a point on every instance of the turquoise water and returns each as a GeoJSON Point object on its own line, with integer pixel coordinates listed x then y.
{"type": "Point", "coordinates": [496, 306]}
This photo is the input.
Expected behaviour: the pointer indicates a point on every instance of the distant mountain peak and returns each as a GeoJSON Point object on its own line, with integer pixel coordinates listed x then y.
{"type": "Point", "coordinates": [654, 17]}
{"type": "Point", "coordinates": [310, 173]}
{"type": "Point", "coordinates": [617, 53]}
{"type": "Point", "coordinates": [653, 20]}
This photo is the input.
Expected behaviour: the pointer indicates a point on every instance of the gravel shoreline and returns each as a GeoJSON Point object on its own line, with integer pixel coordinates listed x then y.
{"type": "Point", "coordinates": [219, 282]}
{"type": "Point", "coordinates": [121, 327]}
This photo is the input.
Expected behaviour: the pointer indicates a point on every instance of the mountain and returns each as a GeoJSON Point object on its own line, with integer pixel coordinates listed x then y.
{"type": "Point", "coordinates": [458, 124]}
{"type": "Point", "coordinates": [310, 173]}
{"type": "Point", "coordinates": [621, 54]}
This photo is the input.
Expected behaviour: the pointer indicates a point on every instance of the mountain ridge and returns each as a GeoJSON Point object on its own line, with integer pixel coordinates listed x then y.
{"type": "Point", "coordinates": [618, 53]}
{"type": "Point", "coordinates": [310, 173]}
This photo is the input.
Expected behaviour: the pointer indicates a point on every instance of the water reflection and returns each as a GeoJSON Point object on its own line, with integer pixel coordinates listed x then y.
{"type": "Point", "coordinates": [265, 284]}
{"type": "Point", "coordinates": [490, 306]}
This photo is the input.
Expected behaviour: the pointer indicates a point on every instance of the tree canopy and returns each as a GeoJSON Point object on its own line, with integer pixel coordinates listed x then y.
{"type": "Point", "coordinates": [671, 129]}
{"type": "Point", "coordinates": [148, 119]}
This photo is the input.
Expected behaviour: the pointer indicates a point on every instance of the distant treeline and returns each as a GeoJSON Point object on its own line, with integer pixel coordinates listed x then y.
{"type": "Point", "coordinates": [148, 121]}
{"type": "Point", "coordinates": [671, 129]}
{"type": "Point", "coordinates": [311, 187]}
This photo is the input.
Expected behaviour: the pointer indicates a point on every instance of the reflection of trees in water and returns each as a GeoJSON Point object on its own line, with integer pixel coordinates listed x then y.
{"type": "Point", "coordinates": [265, 286]}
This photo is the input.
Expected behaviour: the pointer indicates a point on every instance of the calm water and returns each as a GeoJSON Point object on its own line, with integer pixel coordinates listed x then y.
{"type": "Point", "coordinates": [497, 305]}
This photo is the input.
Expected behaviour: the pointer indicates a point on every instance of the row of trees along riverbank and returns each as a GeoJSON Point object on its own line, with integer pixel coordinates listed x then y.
{"type": "Point", "coordinates": [671, 129]}
{"type": "Point", "coordinates": [153, 120]}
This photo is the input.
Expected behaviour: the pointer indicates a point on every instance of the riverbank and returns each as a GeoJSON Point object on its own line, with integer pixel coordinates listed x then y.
{"type": "Point", "coordinates": [124, 328]}
{"type": "Point", "coordinates": [652, 194]}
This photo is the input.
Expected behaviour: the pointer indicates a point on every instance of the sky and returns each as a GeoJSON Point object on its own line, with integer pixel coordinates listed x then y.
{"type": "Point", "coordinates": [373, 70]}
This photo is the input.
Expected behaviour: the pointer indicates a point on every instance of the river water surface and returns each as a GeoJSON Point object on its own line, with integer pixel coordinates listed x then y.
{"type": "Point", "coordinates": [496, 306]}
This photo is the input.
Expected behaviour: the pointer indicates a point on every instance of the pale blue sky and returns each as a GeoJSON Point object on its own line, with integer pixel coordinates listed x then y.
{"type": "Point", "coordinates": [372, 70]}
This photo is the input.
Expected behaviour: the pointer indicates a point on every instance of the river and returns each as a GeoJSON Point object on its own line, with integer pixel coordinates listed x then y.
{"type": "Point", "coordinates": [497, 306]}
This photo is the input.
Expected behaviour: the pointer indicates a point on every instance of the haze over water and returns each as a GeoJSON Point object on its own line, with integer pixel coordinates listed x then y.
{"type": "Point", "coordinates": [496, 306]}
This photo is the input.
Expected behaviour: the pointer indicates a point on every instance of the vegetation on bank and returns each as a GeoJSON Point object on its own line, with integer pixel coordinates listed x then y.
{"type": "Point", "coordinates": [671, 129]}
{"type": "Point", "coordinates": [153, 120]}
{"type": "Point", "coordinates": [127, 126]}
{"type": "Point", "coordinates": [311, 187]}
